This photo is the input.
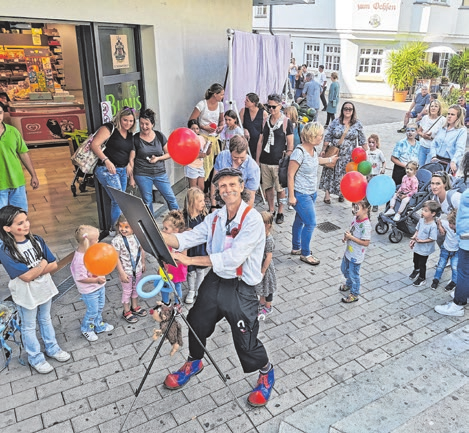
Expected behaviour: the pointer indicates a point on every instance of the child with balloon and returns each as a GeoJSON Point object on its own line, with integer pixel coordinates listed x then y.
{"type": "Point", "coordinates": [131, 265]}
{"type": "Point", "coordinates": [91, 287]}
{"type": "Point", "coordinates": [377, 160]}
{"type": "Point", "coordinates": [29, 262]}
{"type": "Point", "coordinates": [357, 239]}
{"type": "Point", "coordinates": [194, 171]}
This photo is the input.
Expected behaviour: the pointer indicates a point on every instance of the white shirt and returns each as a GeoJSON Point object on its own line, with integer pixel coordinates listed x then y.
{"type": "Point", "coordinates": [247, 248]}
{"type": "Point", "coordinates": [320, 78]}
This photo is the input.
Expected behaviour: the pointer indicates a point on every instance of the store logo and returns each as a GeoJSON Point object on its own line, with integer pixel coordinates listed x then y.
{"type": "Point", "coordinates": [33, 127]}
{"type": "Point", "coordinates": [117, 104]}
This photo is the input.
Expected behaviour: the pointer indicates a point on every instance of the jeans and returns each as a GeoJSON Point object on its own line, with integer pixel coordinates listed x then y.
{"type": "Point", "coordinates": [145, 185]}
{"type": "Point", "coordinates": [462, 289]}
{"type": "Point", "coordinates": [94, 301]}
{"type": "Point", "coordinates": [305, 222]}
{"type": "Point", "coordinates": [28, 332]}
{"type": "Point", "coordinates": [446, 255]}
{"type": "Point", "coordinates": [292, 81]}
{"type": "Point", "coordinates": [424, 156]}
{"type": "Point", "coordinates": [165, 296]}
{"type": "Point", "coordinates": [117, 181]}
{"type": "Point", "coordinates": [15, 197]}
{"type": "Point", "coordinates": [351, 272]}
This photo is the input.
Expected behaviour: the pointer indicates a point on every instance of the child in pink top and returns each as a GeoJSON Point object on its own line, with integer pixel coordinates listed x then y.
{"type": "Point", "coordinates": [174, 223]}
{"type": "Point", "coordinates": [91, 287]}
{"type": "Point", "coordinates": [408, 188]}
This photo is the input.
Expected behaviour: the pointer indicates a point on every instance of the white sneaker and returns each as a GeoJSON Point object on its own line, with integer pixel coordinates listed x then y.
{"type": "Point", "coordinates": [107, 328]}
{"type": "Point", "coordinates": [43, 367]}
{"type": "Point", "coordinates": [450, 309]}
{"type": "Point", "coordinates": [60, 356]}
{"type": "Point", "coordinates": [397, 217]}
{"type": "Point", "coordinates": [190, 297]}
{"type": "Point", "coordinates": [390, 212]}
{"type": "Point", "coordinates": [290, 207]}
{"type": "Point", "coordinates": [90, 335]}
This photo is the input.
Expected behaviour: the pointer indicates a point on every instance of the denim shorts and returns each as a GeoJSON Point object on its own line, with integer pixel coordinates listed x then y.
{"type": "Point", "coordinates": [194, 173]}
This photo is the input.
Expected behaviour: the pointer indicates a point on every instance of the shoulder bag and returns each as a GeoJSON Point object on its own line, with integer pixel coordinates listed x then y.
{"type": "Point", "coordinates": [283, 168]}
{"type": "Point", "coordinates": [334, 150]}
{"type": "Point", "coordinates": [84, 158]}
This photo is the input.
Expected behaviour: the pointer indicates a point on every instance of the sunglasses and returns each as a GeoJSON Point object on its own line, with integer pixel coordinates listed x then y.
{"type": "Point", "coordinates": [410, 130]}
{"type": "Point", "coordinates": [128, 109]}
{"type": "Point", "coordinates": [348, 109]}
{"type": "Point", "coordinates": [439, 174]}
{"type": "Point", "coordinates": [272, 107]}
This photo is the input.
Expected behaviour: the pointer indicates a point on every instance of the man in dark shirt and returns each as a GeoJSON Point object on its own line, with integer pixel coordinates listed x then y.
{"type": "Point", "coordinates": [276, 137]}
{"type": "Point", "coordinates": [418, 104]}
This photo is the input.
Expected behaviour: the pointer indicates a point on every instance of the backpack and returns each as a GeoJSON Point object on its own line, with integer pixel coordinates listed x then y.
{"type": "Point", "coordinates": [283, 168]}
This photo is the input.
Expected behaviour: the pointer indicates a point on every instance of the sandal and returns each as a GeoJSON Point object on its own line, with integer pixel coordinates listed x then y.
{"type": "Point", "coordinates": [139, 311]}
{"type": "Point", "coordinates": [349, 299]}
{"type": "Point", "coordinates": [341, 199]}
{"type": "Point", "coordinates": [129, 317]}
{"type": "Point", "coordinates": [327, 200]}
{"type": "Point", "coordinates": [295, 252]}
{"type": "Point", "coordinates": [344, 288]}
{"type": "Point", "coordinates": [310, 260]}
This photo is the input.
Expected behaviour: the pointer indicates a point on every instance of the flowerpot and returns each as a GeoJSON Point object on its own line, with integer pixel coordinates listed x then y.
{"type": "Point", "coordinates": [400, 95]}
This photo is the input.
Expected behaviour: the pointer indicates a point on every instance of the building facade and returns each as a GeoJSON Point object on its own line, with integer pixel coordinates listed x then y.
{"type": "Point", "coordinates": [354, 37]}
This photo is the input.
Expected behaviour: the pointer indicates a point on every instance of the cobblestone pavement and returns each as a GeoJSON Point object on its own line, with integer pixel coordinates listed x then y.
{"type": "Point", "coordinates": [315, 342]}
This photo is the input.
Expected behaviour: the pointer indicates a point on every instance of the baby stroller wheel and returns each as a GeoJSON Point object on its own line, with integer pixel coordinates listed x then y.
{"type": "Point", "coordinates": [382, 227]}
{"type": "Point", "coordinates": [395, 236]}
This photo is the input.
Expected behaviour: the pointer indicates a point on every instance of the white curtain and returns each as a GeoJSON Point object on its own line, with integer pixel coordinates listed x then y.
{"type": "Point", "coordinates": [260, 64]}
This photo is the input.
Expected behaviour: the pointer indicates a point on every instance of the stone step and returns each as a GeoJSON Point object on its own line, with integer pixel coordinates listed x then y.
{"type": "Point", "coordinates": [405, 402]}
{"type": "Point", "coordinates": [345, 399]}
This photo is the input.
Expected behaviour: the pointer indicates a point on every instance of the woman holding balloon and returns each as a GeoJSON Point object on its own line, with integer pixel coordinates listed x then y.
{"type": "Point", "coordinates": [345, 132]}
{"type": "Point", "coordinates": [302, 180]}
{"type": "Point", "coordinates": [147, 160]}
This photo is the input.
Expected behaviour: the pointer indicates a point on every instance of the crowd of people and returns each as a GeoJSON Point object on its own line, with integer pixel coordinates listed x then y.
{"type": "Point", "coordinates": [224, 251]}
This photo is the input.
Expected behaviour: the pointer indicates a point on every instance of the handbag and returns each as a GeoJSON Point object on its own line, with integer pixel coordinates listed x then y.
{"type": "Point", "coordinates": [283, 169]}
{"type": "Point", "coordinates": [84, 158]}
{"type": "Point", "coordinates": [334, 150]}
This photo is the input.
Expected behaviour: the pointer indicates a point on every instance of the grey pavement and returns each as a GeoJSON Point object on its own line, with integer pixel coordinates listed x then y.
{"type": "Point", "coordinates": [387, 363]}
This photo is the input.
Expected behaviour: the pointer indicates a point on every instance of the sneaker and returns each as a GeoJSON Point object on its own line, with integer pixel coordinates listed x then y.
{"type": "Point", "coordinates": [450, 286]}
{"type": "Point", "coordinates": [374, 209]}
{"type": "Point", "coordinates": [43, 367]}
{"type": "Point", "coordinates": [260, 307]}
{"type": "Point", "coordinates": [260, 395]}
{"type": "Point", "coordinates": [435, 283]}
{"type": "Point", "coordinates": [390, 212]}
{"type": "Point", "coordinates": [403, 129]}
{"type": "Point", "coordinates": [419, 282]}
{"type": "Point", "coordinates": [414, 274]}
{"type": "Point", "coordinates": [90, 335]}
{"type": "Point", "coordinates": [397, 217]}
{"type": "Point", "coordinates": [60, 356]}
{"type": "Point", "coordinates": [190, 297]}
{"type": "Point", "coordinates": [264, 313]}
{"type": "Point", "coordinates": [280, 218]}
{"type": "Point", "coordinates": [179, 378]}
{"type": "Point", "coordinates": [450, 309]}
{"type": "Point", "coordinates": [107, 328]}
{"type": "Point", "coordinates": [290, 207]}
{"type": "Point", "coordinates": [112, 233]}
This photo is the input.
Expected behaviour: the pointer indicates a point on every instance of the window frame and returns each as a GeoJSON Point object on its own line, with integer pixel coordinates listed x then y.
{"type": "Point", "coordinates": [365, 69]}
{"type": "Point", "coordinates": [335, 55]}
{"type": "Point", "coordinates": [314, 52]}
{"type": "Point", "coordinates": [260, 11]}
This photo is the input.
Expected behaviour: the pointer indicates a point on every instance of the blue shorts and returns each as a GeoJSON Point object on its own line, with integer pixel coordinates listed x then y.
{"type": "Point", "coordinates": [413, 114]}
{"type": "Point", "coordinates": [194, 173]}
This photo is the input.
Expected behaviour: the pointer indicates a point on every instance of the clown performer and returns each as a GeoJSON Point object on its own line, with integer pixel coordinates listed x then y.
{"type": "Point", "coordinates": [235, 238]}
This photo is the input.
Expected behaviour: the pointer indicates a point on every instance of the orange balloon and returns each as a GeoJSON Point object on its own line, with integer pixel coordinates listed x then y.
{"type": "Point", "coordinates": [351, 166]}
{"type": "Point", "coordinates": [101, 259]}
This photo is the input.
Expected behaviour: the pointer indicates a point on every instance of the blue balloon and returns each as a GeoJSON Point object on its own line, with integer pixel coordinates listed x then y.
{"type": "Point", "coordinates": [380, 190]}
{"type": "Point", "coordinates": [158, 286]}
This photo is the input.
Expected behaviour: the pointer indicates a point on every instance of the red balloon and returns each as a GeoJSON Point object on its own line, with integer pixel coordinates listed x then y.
{"type": "Point", "coordinates": [351, 166]}
{"type": "Point", "coordinates": [213, 125]}
{"type": "Point", "coordinates": [358, 155]}
{"type": "Point", "coordinates": [183, 146]}
{"type": "Point", "coordinates": [353, 186]}
{"type": "Point", "coordinates": [101, 259]}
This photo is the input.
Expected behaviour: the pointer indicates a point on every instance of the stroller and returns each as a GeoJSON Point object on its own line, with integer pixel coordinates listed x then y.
{"type": "Point", "coordinates": [409, 217]}
{"type": "Point", "coordinates": [77, 137]}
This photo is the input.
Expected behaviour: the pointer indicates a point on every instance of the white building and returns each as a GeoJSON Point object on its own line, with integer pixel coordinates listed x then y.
{"type": "Point", "coordinates": [353, 37]}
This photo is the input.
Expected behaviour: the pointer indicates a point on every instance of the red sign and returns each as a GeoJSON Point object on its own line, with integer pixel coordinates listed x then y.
{"type": "Point", "coordinates": [48, 126]}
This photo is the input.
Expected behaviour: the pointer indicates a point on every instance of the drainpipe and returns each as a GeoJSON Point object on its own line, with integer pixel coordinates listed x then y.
{"type": "Point", "coordinates": [270, 19]}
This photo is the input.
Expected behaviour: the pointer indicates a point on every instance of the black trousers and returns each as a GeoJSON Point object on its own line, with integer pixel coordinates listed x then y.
{"type": "Point", "coordinates": [237, 302]}
{"type": "Point", "coordinates": [323, 97]}
{"type": "Point", "coordinates": [330, 118]}
{"type": "Point", "coordinates": [420, 263]}
{"type": "Point", "coordinates": [398, 173]}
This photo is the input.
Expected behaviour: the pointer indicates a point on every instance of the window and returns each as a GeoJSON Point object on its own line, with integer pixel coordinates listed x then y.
{"type": "Point", "coordinates": [465, 3]}
{"type": "Point", "coordinates": [331, 57]}
{"type": "Point", "coordinates": [442, 59]}
{"type": "Point", "coordinates": [371, 61]}
{"type": "Point", "coordinates": [312, 55]}
{"type": "Point", "coordinates": [260, 11]}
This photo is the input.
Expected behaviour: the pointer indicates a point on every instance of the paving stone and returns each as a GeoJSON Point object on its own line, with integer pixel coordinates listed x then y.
{"type": "Point", "coordinates": [372, 358]}
{"type": "Point", "coordinates": [29, 425]}
{"type": "Point", "coordinates": [7, 417]}
{"type": "Point", "coordinates": [219, 416]}
{"type": "Point", "coordinates": [38, 407]}
{"type": "Point", "coordinates": [64, 413]}
{"type": "Point", "coordinates": [58, 385]}
{"type": "Point", "coordinates": [83, 391]}
{"type": "Point", "coordinates": [317, 385]}
{"type": "Point", "coordinates": [100, 373]}
{"type": "Point", "coordinates": [32, 380]}
{"type": "Point", "coordinates": [161, 424]}
{"type": "Point", "coordinates": [94, 418]}
{"type": "Point", "coordinates": [346, 371]}
{"type": "Point", "coordinates": [10, 402]}
{"type": "Point", "coordinates": [63, 427]}
{"type": "Point", "coordinates": [114, 425]}
{"type": "Point", "coordinates": [71, 368]}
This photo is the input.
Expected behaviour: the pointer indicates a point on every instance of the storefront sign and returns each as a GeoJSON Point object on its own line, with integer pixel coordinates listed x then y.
{"type": "Point", "coordinates": [120, 51]}
{"type": "Point", "coordinates": [379, 15]}
{"type": "Point", "coordinates": [117, 104]}
{"type": "Point", "coordinates": [106, 111]}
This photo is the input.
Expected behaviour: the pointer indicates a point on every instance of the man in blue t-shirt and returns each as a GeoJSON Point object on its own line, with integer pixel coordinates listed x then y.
{"type": "Point", "coordinates": [421, 99]}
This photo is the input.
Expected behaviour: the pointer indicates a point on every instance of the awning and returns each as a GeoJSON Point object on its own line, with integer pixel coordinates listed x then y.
{"type": "Point", "coordinates": [440, 49]}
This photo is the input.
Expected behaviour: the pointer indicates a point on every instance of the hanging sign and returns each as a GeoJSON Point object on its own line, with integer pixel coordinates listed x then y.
{"type": "Point", "coordinates": [120, 52]}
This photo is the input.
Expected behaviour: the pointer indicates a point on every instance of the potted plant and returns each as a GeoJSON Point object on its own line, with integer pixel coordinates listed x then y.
{"type": "Point", "coordinates": [403, 67]}
{"type": "Point", "coordinates": [458, 68]}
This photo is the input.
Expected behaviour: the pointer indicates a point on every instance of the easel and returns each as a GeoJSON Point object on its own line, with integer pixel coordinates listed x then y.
{"type": "Point", "coordinates": [144, 227]}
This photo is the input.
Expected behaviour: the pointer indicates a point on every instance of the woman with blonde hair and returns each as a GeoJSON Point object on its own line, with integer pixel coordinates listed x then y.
{"type": "Point", "coordinates": [302, 184]}
{"type": "Point", "coordinates": [429, 126]}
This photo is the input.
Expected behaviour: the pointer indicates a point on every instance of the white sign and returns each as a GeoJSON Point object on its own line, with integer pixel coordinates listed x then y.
{"type": "Point", "coordinates": [119, 52]}
{"type": "Point", "coordinates": [106, 111]}
{"type": "Point", "coordinates": [379, 15]}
